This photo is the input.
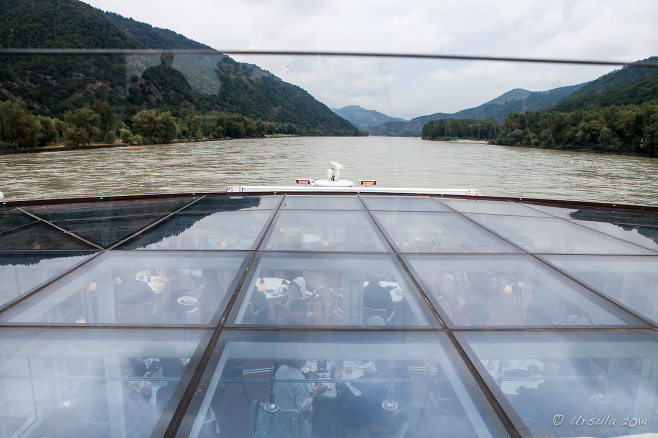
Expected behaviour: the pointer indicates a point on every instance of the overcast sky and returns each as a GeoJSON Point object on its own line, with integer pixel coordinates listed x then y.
{"type": "Point", "coordinates": [613, 30]}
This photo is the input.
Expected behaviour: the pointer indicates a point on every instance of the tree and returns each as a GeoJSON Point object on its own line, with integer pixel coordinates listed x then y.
{"type": "Point", "coordinates": [83, 126]}
{"type": "Point", "coordinates": [17, 126]}
{"type": "Point", "coordinates": [154, 126]}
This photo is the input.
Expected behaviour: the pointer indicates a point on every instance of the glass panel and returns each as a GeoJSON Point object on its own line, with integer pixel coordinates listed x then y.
{"type": "Point", "coordinates": [632, 281]}
{"type": "Point", "coordinates": [216, 231]}
{"type": "Point", "coordinates": [156, 208]}
{"type": "Point", "coordinates": [325, 231]}
{"type": "Point", "coordinates": [603, 214]}
{"type": "Point", "coordinates": [13, 218]}
{"type": "Point", "coordinates": [639, 227]}
{"type": "Point", "coordinates": [439, 232]}
{"type": "Point", "coordinates": [20, 273]}
{"type": "Point", "coordinates": [214, 204]}
{"type": "Point", "coordinates": [572, 384]}
{"type": "Point", "coordinates": [492, 207]}
{"type": "Point", "coordinates": [91, 383]}
{"type": "Point", "coordinates": [403, 203]}
{"type": "Point", "coordinates": [324, 202]}
{"type": "Point", "coordinates": [38, 236]}
{"type": "Point", "coordinates": [643, 235]}
{"type": "Point", "coordinates": [137, 288]}
{"type": "Point", "coordinates": [107, 222]}
{"type": "Point", "coordinates": [327, 289]}
{"type": "Point", "coordinates": [355, 385]}
{"type": "Point", "coordinates": [510, 290]}
{"type": "Point", "coordinates": [545, 235]}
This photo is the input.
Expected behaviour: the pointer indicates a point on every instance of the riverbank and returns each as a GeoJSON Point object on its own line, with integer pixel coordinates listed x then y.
{"type": "Point", "coordinates": [12, 150]}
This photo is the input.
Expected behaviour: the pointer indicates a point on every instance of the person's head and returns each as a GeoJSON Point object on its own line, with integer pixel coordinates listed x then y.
{"type": "Point", "coordinates": [373, 278]}
{"type": "Point", "coordinates": [298, 311]}
{"type": "Point", "coordinates": [296, 243]}
{"type": "Point", "coordinates": [376, 320]}
{"type": "Point", "coordinates": [167, 59]}
{"type": "Point", "coordinates": [296, 363]}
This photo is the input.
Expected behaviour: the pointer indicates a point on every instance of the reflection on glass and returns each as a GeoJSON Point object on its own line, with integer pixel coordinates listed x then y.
{"type": "Point", "coordinates": [554, 236]}
{"type": "Point", "coordinates": [350, 231]}
{"type": "Point", "coordinates": [326, 202]}
{"type": "Point", "coordinates": [513, 290]}
{"type": "Point", "coordinates": [158, 207]}
{"type": "Point", "coordinates": [12, 218]}
{"type": "Point", "coordinates": [213, 231]}
{"type": "Point", "coordinates": [20, 273]}
{"type": "Point", "coordinates": [438, 232]}
{"type": "Point", "coordinates": [214, 204]}
{"type": "Point", "coordinates": [136, 288]}
{"type": "Point", "coordinates": [107, 222]}
{"type": "Point", "coordinates": [89, 383]}
{"type": "Point", "coordinates": [639, 227]}
{"type": "Point", "coordinates": [491, 207]}
{"type": "Point", "coordinates": [354, 385]}
{"type": "Point", "coordinates": [327, 289]}
{"type": "Point", "coordinates": [632, 281]}
{"type": "Point", "coordinates": [40, 236]}
{"type": "Point", "coordinates": [644, 235]}
{"type": "Point", "coordinates": [403, 203]}
{"type": "Point", "coordinates": [572, 384]}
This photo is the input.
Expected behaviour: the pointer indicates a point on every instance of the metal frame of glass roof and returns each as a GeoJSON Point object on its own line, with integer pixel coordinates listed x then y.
{"type": "Point", "coordinates": [240, 234]}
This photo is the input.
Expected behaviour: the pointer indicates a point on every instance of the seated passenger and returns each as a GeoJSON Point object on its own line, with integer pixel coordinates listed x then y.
{"type": "Point", "coordinates": [129, 290]}
{"type": "Point", "coordinates": [296, 313]}
{"type": "Point", "coordinates": [296, 287]}
{"type": "Point", "coordinates": [367, 407]}
{"type": "Point", "coordinates": [295, 399]}
{"type": "Point", "coordinates": [376, 296]}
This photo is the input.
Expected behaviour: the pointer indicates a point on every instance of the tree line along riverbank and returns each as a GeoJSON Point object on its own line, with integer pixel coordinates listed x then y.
{"type": "Point", "coordinates": [100, 126]}
{"type": "Point", "coordinates": [623, 129]}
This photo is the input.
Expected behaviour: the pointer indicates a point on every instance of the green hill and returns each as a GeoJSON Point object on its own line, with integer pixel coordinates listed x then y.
{"type": "Point", "coordinates": [53, 84]}
{"type": "Point", "coordinates": [633, 84]}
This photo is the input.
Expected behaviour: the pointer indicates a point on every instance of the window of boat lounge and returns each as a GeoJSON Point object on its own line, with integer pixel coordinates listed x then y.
{"type": "Point", "coordinates": [137, 288]}
{"type": "Point", "coordinates": [554, 236]}
{"type": "Point", "coordinates": [297, 230]}
{"type": "Point", "coordinates": [571, 383]}
{"type": "Point", "coordinates": [631, 281]}
{"type": "Point", "coordinates": [510, 290]}
{"type": "Point", "coordinates": [373, 384]}
{"type": "Point", "coordinates": [21, 273]}
{"type": "Point", "coordinates": [92, 382]}
{"type": "Point", "coordinates": [225, 230]}
{"type": "Point", "coordinates": [439, 232]}
{"type": "Point", "coordinates": [336, 289]}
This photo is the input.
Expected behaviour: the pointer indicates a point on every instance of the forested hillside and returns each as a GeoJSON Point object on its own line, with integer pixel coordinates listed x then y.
{"type": "Point", "coordinates": [633, 84]}
{"type": "Point", "coordinates": [214, 90]}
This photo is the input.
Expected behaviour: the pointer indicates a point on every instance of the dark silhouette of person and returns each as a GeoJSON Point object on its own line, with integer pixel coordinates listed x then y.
{"type": "Point", "coordinates": [367, 407]}
{"type": "Point", "coordinates": [376, 296]}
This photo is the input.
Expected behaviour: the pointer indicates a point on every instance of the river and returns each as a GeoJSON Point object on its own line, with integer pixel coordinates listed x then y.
{"type": "Point", "coordinates": [392, 161]}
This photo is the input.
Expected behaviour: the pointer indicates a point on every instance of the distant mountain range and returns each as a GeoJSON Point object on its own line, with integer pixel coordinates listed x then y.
{"type": "Point", "coordinates": [52, 84]}
{"type": "Point", "coordinates": [633, 84]}
{"type": "Point", "coordinates": [513, 101]}
{"type": "Point", "coordinates": [365, 119]}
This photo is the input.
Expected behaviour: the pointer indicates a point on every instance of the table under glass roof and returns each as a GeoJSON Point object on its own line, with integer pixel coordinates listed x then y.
{"type": "Point", "coordinates": [327, 315]}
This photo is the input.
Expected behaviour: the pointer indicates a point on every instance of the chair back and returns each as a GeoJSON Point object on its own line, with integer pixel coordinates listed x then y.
{"type": "Point", "coordinates": [142, 312]}
{"type": "Point", "coordinates": [280, 312]}
{"type": "Point", "coordinates": [248, 316]}
{"type": "Point", "coordinates": [336, 305]}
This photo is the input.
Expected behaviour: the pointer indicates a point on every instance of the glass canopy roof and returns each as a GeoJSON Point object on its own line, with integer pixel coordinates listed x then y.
{"type": "Point", "coordinates": [315, 315]}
